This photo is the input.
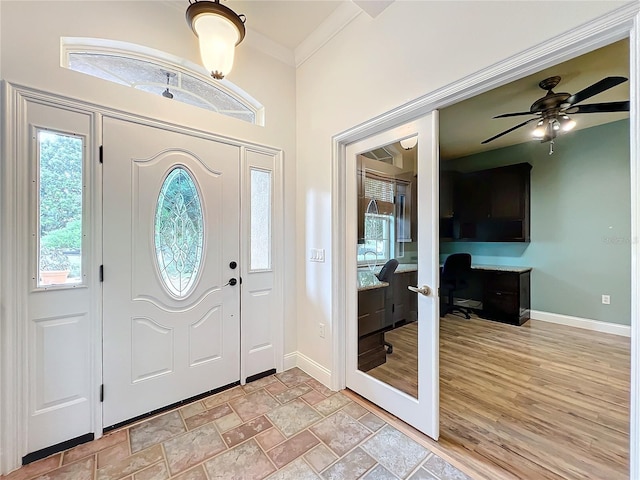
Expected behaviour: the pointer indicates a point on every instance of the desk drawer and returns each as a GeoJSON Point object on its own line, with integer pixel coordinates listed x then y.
{"type": "Point", "coordinates": [500, 304]}
{"type": "Point", "coordinates": [371, 300]}
{"type": "Point", "coordinates": [502, 281]}
{"type": "Point", "coordinates": [370, 322]}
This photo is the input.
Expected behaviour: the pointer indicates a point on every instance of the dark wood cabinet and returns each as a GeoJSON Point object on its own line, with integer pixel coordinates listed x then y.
{"type": "Point", "coordinates": [507, 296]}
{"type": "Point", "coordinates": [403, 205]}
{"type": "Point", "coordinates": [371, 310]}
{"type": "Point", "coordinates": [371, 352]}
{"type": "Point", "coordinates": [361, 200]}
{"type": "Point", "coordinates": [488, 205]}
{"type": "Point", "coordinates": [448, 180]}
{"type": "Point", "coordinates": [405, 302]}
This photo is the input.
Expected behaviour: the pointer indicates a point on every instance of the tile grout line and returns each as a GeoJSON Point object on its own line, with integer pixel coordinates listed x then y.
{"type": "Point", "coordinates": [351, 400]}
{"type": "Point", "coordinates": [406, 429]}
{"type": "Point", "coordinates": [166, 462]}
{"type": "Point", "coordinates": [421, 465]}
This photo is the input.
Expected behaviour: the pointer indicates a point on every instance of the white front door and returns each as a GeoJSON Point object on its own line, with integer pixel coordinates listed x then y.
{"type": "Point", "coordinates": [395, 194]}
{"type": "Point", "coordinates": [171, 232]}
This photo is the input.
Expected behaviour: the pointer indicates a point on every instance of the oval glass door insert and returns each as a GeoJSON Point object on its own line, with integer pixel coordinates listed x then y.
{"type": "Point", "coordinates": [179, 232]}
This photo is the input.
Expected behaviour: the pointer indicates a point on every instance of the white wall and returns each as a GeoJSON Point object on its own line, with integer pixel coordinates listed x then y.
{"type": "Point", "coordinates": [30, 56]}
{"type": "Point", "coordinates": [375, 65]}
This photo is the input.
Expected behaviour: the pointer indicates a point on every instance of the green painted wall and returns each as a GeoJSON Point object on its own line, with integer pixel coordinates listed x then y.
{"type": "Point", "coordinates": [580, 222]}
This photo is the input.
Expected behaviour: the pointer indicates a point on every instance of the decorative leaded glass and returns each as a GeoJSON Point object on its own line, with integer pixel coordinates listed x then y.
{"type": "Point", "coordinates": [144, 74]}
{"type": "Point", "coordinates": [179, 232]}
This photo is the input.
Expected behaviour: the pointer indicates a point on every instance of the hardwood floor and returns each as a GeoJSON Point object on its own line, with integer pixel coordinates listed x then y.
{"type": "Point", "coordinates": [540, 401]}
{"type": "Point", "coordinates": [401, 367]}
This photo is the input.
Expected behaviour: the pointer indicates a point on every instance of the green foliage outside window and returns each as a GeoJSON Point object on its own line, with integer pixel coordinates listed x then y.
{"type": "Point", "coordinates": [60, 160]}
{"type": "Point", "coordinates": [60, 182]}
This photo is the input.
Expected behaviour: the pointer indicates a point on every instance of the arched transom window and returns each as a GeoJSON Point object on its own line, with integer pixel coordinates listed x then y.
{"type": "Point", "coordinates": [159, 73]}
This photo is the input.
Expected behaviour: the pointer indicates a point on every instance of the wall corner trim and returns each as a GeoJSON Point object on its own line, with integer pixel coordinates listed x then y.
{"type": "Point", "coordinates": [585, 323]}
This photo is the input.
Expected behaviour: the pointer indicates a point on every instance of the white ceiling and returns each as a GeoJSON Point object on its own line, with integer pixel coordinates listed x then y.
{"type": "Point", "coordinates": [288, 27]}
{"type": "Point", "coordinates": [286, 22]}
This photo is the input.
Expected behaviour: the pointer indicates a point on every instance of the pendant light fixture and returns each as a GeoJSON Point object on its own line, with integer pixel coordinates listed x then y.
{"type": "Point", "coordinates": [219, 29]}
{"type": "Point", "coordinates": [409, 143]}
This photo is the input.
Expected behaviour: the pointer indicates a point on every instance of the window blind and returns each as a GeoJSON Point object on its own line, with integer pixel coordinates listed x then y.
{"type": "Point", "coordinates": [379, 189]}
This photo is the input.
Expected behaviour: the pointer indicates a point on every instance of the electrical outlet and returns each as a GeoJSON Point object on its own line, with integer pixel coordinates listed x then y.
{"type": "Point", "coordinates": [321, 331]}
{"type": "Point", "coordinates": [606, 299]}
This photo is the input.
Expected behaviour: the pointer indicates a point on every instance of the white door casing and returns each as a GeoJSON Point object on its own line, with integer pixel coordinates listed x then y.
{"type": "Point", "coordinates": [160, 348]}
{"type": "Point", "coordinates": [422, 412]}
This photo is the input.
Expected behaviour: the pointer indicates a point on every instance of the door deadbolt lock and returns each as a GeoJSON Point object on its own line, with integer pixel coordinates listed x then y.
{"type": "Point", "coordinates": [425, 290]}
{"type": "Point", "coordinates": [233, 265]}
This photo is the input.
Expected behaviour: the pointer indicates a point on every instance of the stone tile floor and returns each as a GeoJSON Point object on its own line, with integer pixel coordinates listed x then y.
{"type": "Point", "coordinates": [286, 426]}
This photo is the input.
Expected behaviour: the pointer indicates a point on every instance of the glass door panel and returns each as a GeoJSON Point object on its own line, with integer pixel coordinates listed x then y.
{"type": "Point", "coordinates": [387, 257]}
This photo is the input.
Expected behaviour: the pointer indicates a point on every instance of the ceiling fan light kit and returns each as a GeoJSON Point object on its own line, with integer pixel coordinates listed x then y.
{"type": "Point", "coordinates": [552, 111]}
{"type": "Point", "coordinates": [219, 30]}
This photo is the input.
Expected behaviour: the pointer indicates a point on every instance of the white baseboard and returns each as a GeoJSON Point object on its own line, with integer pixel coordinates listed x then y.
{"type": "Point", "coordinates": [311, 367]}
{"type": "Point", "coordinates": [586, 323]}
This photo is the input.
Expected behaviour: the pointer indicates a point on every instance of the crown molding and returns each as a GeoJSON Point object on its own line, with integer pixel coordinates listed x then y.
{"type": "Point", "coordinates": [373, 7]}
{"type": "Point", "coordinates": [264, 44]}
{"type": "Point", "coordinates": [332, 25]}
{"type": "Point", "coordinates": [336, 22]}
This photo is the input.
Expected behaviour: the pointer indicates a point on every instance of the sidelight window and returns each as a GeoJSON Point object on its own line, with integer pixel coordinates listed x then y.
{"type": "Point", "coordinates": [59, 164]}
{"type": "Point", "coordinates": [260, 219]}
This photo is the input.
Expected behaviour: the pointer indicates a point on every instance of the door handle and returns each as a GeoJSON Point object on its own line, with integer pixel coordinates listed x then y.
{"type": "Point", "coordinates": [425, 290]}
{"type": "Point", "coordinates": [232, 282]}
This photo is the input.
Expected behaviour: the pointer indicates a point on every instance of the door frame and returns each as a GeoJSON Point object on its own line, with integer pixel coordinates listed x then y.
{"type": "Point", "coordinates": [616, 25]}
{"type": "Point", "coordinates": [14, 217]}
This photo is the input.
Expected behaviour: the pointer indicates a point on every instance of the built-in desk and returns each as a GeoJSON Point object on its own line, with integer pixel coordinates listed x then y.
{"type": "Point", "coordinates": [381, 306]}
{"type": "Point", "coordinates": [499, 292]}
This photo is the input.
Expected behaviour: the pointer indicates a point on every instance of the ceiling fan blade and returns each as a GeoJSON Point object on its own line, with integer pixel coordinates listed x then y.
{"type": "Point", "coordinates": [516, 114]}
{"type": "Point", "coordinates": [509, 131]}
{"type": "Point", "coordinates": [600, 107]}
{"type": "Point", "coordinates": [596, 88]}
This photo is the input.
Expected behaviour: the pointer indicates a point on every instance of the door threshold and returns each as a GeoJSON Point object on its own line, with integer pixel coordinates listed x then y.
{"type": "Point", "coordinates": [169, 407]}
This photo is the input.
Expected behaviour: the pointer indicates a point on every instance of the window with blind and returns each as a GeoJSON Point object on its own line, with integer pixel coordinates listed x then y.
{"type": "Point", "coordinates": [379, 226]}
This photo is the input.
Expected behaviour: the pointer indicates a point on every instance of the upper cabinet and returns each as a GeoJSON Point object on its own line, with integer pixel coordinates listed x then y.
{"type": "Point", "coordinates": [403, 204]}
{"type": "Point", "coordinates": [486, 206]}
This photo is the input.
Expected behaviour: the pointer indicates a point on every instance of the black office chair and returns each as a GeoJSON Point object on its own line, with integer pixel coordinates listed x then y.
{"type": "Point", "coordinates": [387, 270]}
{"type": "Point", "coordinates": [454, 276]}
{"type": "Point", "coordinates": [386, 275]}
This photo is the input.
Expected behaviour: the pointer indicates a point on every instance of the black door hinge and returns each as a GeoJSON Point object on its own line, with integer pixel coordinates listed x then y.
{"type": "Point", "coordinates": [102, 392]}
{"type": "Point", "coordinates": [101, 273]}
{"type": "Point", "coordinates": [101, 157]}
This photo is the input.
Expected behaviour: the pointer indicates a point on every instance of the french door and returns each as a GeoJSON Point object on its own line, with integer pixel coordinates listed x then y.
{"type": "Point", "coordinates": [392, 326]}
{"type": "Point", "coordinates": [171, 320]}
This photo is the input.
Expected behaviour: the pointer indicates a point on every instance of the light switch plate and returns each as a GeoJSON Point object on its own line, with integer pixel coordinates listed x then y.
{"type": "Point", "coordinates": [317, 255]}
